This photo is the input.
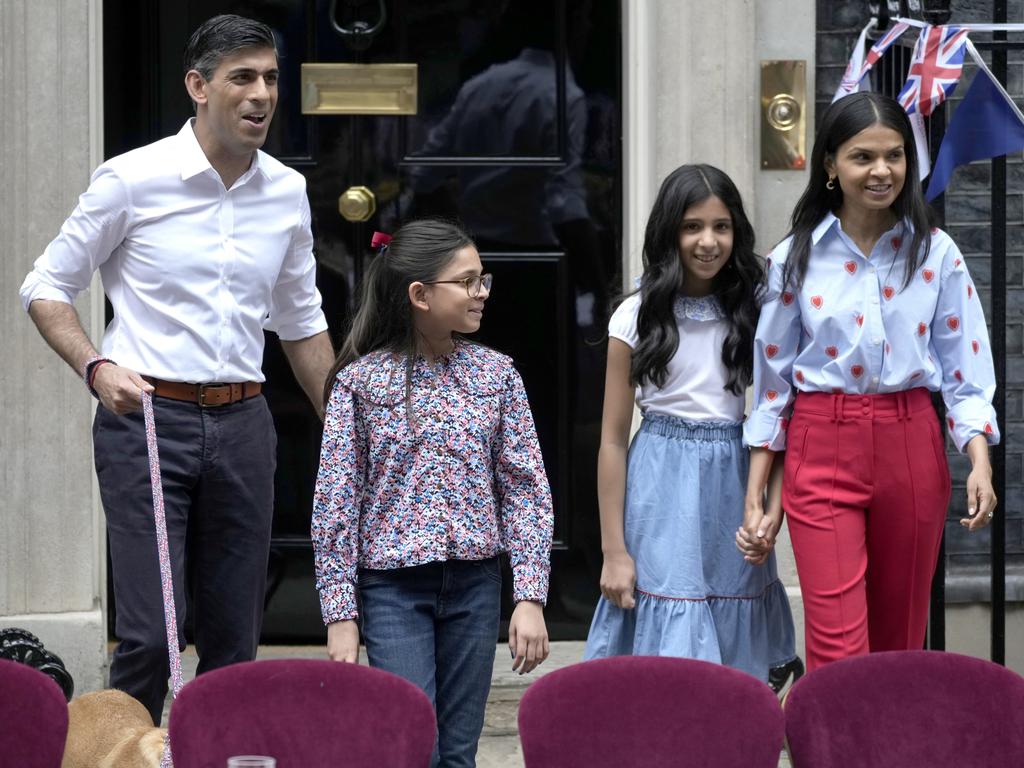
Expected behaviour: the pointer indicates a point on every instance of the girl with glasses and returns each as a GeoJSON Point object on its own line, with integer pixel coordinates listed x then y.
{"type": "Point", "coordinates": [429, 469]}
{"type": "Point", "coordinates": [672, 583]}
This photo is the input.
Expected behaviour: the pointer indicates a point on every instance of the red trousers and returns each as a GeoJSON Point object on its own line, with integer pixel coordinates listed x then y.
{"type": "Point", "coordinates": [866, 490]}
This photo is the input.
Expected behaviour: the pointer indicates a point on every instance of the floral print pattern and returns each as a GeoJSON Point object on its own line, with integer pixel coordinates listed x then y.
{"type": "Point", "coordinates": [455, 473]}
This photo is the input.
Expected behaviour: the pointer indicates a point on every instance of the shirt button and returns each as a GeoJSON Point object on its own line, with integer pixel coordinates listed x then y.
{"type": "Point", "coordinates": [874, 379]}
{"type": "Point", "coordinates": [865, 402]}
{"type": "Point", "coordinates": [876, 342]}
{"type": "Point", "coordinates": [874, 300]}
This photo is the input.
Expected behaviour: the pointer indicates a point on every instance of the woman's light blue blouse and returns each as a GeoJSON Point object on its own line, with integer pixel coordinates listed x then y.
{"type": "Point", "coordinates": [853, 328]}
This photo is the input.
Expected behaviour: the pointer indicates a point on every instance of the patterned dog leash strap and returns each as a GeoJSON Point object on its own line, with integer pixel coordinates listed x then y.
{"type": "Point", "coordinates": [166, 578]}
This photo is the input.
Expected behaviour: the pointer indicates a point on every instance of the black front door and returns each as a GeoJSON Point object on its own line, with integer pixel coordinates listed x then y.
{"type": "Point", "coordinates": [516, 134]}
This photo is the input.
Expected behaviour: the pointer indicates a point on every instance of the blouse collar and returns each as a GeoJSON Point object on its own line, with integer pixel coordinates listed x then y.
{"type": "Point", "coordinates": [703, 308]}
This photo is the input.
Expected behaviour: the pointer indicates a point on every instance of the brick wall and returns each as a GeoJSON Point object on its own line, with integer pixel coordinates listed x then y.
{"type": "Point", "coordinates": [967, 221]}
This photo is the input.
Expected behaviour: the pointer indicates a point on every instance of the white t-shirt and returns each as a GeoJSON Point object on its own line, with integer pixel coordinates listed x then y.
{"type": "Point", "coordinates": [695, 383]}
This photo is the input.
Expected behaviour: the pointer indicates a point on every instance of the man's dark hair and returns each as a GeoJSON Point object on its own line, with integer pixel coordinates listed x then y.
{"type": "Point", "coordinates": [221, 36]}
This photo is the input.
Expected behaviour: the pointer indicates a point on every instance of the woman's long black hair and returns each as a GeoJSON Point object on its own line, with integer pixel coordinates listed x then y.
{"type": "Point", "coordinates": [418, 252]}
{"type": "Point", "coordinates": [843, 120]}
{"type": "Point", "coordinates": [736, 285]}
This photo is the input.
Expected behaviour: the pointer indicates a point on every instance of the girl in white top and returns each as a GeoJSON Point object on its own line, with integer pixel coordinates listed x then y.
{"type": "Point", "coordinates": [673, 583]}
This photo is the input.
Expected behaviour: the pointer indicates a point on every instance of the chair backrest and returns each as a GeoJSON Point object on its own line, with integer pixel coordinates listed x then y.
{"type": "Point", "coordinates": [650, 711]}
{"type": "Point", "coordinates": [907, 708]}
{"type": "Point", "coordinates": [304, 713]}
{"type": "Point", "coordinates": [33, 718]}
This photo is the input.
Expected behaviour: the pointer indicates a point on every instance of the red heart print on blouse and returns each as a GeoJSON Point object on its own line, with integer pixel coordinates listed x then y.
{"type": "Point", "coordinates": [956, 263]}
{"type": "Point", "coordinates": [957, 375]}
{"type": "Point", "coordinates": [935, 230]}
{"type": "Point", "coordinates": [970, 290]}
{"type": "Point", "coordinates": [888, 292]}
{"type": "Point", "coordinates": [817, 301]}
{"type": "Point", "coordinates": [976, 346]}
{"type": "Point", "coordinates": [832, 352]}
{"type": "Point", "coordinates": [768, 262]}
{"type": "Point", "coordinates": [922, 329]}
{"type": "Point", "coordinates": [799, 376]}
{"type": "Point", "coordinates": [766, 445]}
{"type": "Point", "coordinates": [857, 371]}
{"type": "Point", "coordinates": [851, 267]}
{"type": "Point", "coordinates": [953, 322]}
{"type": "Point", "coordinates": [888, 349]}
{"type": "Point", "coordinates": [928, 275]}
{"type": "Point", "coordinates": [988, 429]}
{"type": "Point", "coordinates": [950, 422]}
{"type": "Point", "coordinates": [770, 395]}
{"type": "Point", "coordinates": [787, 298]}
{"type": "Point", "coordinates": [784, 423]}
{"type": "Point", "coordinates": [895, 243]}
{"type": "Point", "coordinates": [860, 319]}
{"type": "Point", "coordinates": [771, 351]}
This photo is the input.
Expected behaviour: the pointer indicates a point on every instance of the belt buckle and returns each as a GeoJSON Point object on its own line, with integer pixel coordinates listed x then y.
{"type": "Point", "coordinates": [201, 395]}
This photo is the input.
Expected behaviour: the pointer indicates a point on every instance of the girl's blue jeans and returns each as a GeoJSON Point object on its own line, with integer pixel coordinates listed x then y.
{"type": "Point", "coordinates": [436, 625]}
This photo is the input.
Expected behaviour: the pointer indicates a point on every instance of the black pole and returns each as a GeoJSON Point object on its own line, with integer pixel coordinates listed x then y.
{"type": "Point", "coordinates": [998, 324]}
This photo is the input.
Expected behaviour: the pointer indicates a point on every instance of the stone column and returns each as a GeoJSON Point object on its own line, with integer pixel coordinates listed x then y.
{"type": "Point", "coordinates": [52, 545]}
{"type": "Point", "coordinates": [692, 94]}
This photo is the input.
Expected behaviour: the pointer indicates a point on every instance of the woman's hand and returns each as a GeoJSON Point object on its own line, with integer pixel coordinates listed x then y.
{"type": "Point", "coordinates": [343, 641]}
{"type": "Point", "coordinates": [618, 579]}
{"type": "Point", "coordinates": [528, 636]}
{"type": "Point", "coordinates": [981, 497]}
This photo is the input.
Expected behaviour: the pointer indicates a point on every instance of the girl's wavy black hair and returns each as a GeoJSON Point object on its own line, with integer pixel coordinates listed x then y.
{"type": "Point", "coordinates": [737, 284]}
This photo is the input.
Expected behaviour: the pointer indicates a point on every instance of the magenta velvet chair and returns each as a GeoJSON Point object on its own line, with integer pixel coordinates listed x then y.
{"type": "Point", "coordinates": [33, 718]}
{"type": "Point", "coordinates": [907, 708]}
{"type": "Point", "coordinates": [303, 712]}
{"type": "Point", "coordinates": [650, 711]}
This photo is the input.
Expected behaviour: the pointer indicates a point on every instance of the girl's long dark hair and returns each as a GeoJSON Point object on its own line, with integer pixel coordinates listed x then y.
{"type": "Point", "coordinates": [843, 120]}
{"type": "Point", "coordinates": [418, 252]}
{"type": "Point", "coordinates": [736, 285]}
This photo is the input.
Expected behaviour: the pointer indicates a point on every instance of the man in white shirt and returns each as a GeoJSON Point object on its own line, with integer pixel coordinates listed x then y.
{"type": "Point", "coordinates": [202, 241]}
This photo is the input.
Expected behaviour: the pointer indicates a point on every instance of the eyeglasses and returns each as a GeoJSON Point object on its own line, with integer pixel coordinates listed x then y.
{"type": "Point", "coordinates": [474, 284]}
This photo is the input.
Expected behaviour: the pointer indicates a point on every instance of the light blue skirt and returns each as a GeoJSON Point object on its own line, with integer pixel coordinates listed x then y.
{"type": "Point", "coordinates": [695, 595]}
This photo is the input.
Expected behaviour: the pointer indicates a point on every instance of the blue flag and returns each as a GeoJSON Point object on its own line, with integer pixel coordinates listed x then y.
{"type": "Point", "coordinates": [985, 125]}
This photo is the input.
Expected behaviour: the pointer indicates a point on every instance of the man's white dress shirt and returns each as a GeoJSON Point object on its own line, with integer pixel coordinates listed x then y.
{"type": "Point", "coordinates": [194, 271]}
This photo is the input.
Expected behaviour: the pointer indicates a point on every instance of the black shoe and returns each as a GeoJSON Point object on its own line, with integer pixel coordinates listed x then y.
{"type": "Point", "coordinates": [787, 674]}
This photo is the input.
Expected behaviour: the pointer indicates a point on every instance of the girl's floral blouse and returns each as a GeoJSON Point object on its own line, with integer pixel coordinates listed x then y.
{"type": "Point", "coordinates": [463, 480]}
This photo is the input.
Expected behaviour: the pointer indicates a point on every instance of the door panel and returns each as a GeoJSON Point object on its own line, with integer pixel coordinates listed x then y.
{"type": "Point", "coordinates": [517, 135]}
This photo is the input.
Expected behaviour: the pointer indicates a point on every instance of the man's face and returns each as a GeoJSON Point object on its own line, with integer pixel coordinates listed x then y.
{"type": "Point", "coordinates": [236, 104]}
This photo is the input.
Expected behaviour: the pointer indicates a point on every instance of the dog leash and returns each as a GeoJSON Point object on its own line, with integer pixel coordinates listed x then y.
{"type": "Point", "coordinates": [166, 578]}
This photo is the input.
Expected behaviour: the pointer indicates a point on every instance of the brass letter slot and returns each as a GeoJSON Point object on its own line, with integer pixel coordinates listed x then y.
{"type": "Point", "coordinates": [359, 89]}
{"type": "Point", "coordinates": [783, 115]}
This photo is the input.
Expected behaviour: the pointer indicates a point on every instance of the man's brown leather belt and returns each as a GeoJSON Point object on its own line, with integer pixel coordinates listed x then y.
{"type": "Point", "coordinates": [206, 395]}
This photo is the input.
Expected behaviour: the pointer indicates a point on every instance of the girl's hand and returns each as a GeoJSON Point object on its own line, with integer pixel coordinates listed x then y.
{"type": "Point", "coordinates": [343, 641]}
{"type": "Point", "coordinates": [751, 539]}
{"type": "Point", "coordinates": [618, 580]}
{"type": "Point", "coordinates": [528, 636]}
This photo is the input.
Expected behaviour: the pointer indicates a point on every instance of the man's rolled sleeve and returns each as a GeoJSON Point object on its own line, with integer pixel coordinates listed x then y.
{"type": "Point", "coordinates": [296, 311]}
{"type": "Point", "coordinates": [90, 234]}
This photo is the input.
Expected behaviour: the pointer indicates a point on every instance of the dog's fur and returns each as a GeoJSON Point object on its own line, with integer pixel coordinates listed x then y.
{"type": "Point", "coordinates": [110, 729]}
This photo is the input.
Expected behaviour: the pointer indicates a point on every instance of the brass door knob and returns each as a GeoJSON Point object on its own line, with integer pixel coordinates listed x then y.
{"type": "Point", "coordinates": [357, 204]}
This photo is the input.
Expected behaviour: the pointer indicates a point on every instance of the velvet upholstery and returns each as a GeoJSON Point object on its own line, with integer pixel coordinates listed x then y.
{"type": "Point", "coordinates": [33, 718]}
{"type": "Point", "coordinates": [304, 713]}
{"type": "Point", "coordinates": [907, 708]}
{"type": "Point", "coordinates": [650, 711]}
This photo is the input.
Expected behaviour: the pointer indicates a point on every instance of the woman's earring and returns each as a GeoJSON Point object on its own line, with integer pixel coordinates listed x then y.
{"type": "Point", "coordinates": [831, 183]}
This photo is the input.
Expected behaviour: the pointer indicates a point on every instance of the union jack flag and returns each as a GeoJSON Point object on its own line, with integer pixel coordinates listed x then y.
{"type": "Point", "coordinates": [934, 70]}
{"type": "Point", "coordinates": [860, 65]}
